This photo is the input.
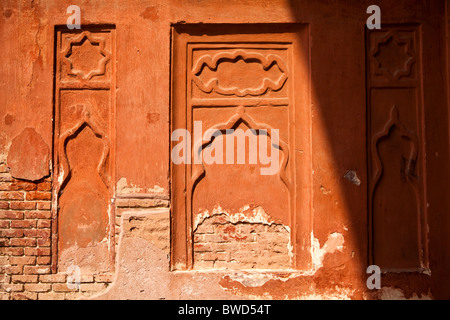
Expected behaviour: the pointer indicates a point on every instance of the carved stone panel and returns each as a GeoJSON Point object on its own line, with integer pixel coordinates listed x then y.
{"type": "Point", "coordinates": [240, 95]}
{"type": "Point", "coordinates": [397, 214]}
{"type": "Point", "coordinates": [84, 150]}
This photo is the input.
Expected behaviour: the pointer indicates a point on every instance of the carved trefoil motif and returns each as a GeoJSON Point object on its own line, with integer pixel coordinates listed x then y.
{"type": "Point", "coordinates": [83, 215]}
{"type": "Point", "coordinates": [225, 214]}
{"type": "Point", "coordinates": [397, 214]}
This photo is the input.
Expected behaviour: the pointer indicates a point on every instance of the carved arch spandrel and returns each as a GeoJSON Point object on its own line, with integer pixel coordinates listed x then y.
{"type": "Point", "coordinates": [212, 62]}
{"type": "Point", "coordinates": [101, 66]}
{"type": "Point", "coordinates": [199, 170]}
{"type": "Point", "coordinates": [85, 120]}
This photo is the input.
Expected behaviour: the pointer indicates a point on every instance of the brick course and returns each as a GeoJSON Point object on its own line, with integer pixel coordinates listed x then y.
{"type": "Point", "coordinates": [25, 245]}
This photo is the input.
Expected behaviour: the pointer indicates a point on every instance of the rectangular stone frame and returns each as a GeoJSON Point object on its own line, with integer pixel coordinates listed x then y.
{"type": "Point", "coordinates": [301, 220]}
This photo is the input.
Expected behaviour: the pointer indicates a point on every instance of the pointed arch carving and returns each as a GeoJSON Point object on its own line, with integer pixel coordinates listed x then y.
{"type": "Point", "coordinates": [408, 174]}
{"type": "Point", "coordinates": [101, 65]}
{"type": "Point", "coordinates": [213, 62]}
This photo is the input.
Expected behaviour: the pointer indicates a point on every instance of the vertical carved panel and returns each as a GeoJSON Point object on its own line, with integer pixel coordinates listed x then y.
{"type": "Point", "coordinates": [397, 215]}
{"type": "Point", "coordinates": [226, 214]}
{"type": "Point", "coordinates": [84, 152]}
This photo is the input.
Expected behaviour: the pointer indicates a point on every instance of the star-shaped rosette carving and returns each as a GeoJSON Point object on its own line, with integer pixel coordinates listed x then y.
{"type": "Point", "coordinates": [401, 56]}
{"type": "Point", "coordinates": [97, 44]}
